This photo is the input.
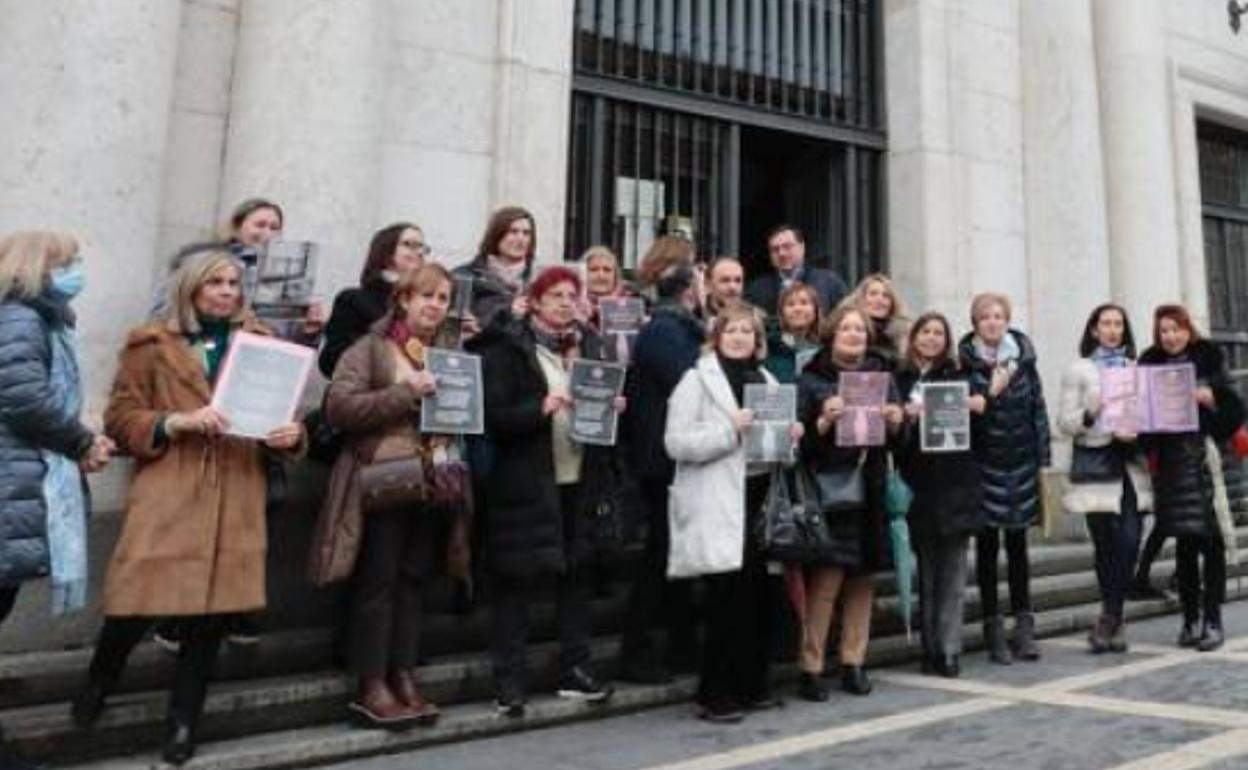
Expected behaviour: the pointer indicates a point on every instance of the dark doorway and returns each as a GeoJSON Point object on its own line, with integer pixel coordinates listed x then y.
{"type": "Point", "coordinates": [787, 178]}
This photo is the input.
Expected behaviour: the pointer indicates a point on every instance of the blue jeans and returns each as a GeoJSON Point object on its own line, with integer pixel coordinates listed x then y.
{"type": "Point", "coordinates": [1116, 541]}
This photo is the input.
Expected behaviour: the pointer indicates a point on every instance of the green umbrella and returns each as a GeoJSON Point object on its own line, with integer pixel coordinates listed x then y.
{"type": "Point", "coordinates": [897, 498]}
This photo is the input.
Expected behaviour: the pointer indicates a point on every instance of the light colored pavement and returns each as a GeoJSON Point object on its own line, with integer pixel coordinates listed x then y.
{"type": "Point", "coordinates": [1155, 708]}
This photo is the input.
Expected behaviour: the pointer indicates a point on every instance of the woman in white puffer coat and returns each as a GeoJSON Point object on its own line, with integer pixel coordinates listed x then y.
{"type": "Point", "coordinates": [1107, 480]}
{"type": "Point", "coordinates": [715, 500]}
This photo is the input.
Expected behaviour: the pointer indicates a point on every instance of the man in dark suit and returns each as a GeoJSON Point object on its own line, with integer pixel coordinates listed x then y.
{"type": "Point", "coordinates": [787, 248]}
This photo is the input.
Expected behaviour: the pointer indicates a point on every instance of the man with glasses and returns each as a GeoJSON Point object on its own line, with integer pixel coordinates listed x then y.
{"type": "Point", "coordinates": [786, 247]}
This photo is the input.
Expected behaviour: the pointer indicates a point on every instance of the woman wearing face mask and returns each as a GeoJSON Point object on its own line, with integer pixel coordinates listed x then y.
{"type": "Point", "coordinates": [946, 510]}
{"type": "Point", "coordinates": [388, 554]}
{"type": "Point", "coordinates": [716, 501]}
{"type": "Point", "coordinates": [1107, 480]}
{"type": "Point", "coordinates": [503, 265]}
{"type": "Point", "coordinates": [1011, 444]}
{"type": "Point", "coordinates": [394, 250]}
{"type": "Point", "coordinates": [190, 478]}
{"type": "Point", "coordinates": [1187, 477]}
{"type": "Point", "coordinates": [44, 445]}
{"type": "Point", "coordinates": [859, 546]}
{"type": "Point", "coordinates": [533, 532]}
{"type": "Point", "coordinates": [889, 324]}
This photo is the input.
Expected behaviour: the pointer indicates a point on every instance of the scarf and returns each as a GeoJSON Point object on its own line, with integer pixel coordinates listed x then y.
{"type": "Point", "coordinates": [510, 273]}
{"type": "Point", "coordinates": [1110, 358]}
{"type": "Point", "coordinates": [210, 343]}
{"type": "Point", "coordinates": [740, 372]}
{"type": "Point", "coordinates": [999, 355]}
{"type": "Point", "coordinates": [559, 341]}
{"type": "Point", "coordinates": [63, 492]}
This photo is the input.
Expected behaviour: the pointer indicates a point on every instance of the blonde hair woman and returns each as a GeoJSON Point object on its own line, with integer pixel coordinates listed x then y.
{"type": "Point", "coordinates": [890, 325]}
{"type": "Point", "coordinates": [191, 479]}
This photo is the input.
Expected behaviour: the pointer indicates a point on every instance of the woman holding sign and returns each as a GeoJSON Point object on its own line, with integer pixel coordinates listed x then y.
{"type": "Point", "coordinates": [192, 544]}
{"type": "Point", "coordinates": [383, 539]}
{"type": "Point", "coordinates": [849, 468]}
{"type": "Point", "coordinates": [1011, 443]}
{"type": "Point", "coordinates": [942, 472]}
{"type": "Point", "coordinates": [1107, 480]}
{"type": "Point", "coordinates": [534, 532]}
{"type": "Point", "coordinates": [716, 499]}
{"type": "Point", "coordinates": [1187, 476]}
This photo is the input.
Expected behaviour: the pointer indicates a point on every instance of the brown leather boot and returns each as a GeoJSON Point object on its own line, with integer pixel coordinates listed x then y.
{"type": "Point", "coordinates": [403, 684]}
{"type": "Point", "coordinates": [378, 706]}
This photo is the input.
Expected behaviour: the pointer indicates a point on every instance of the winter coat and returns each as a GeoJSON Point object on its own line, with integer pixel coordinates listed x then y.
{"type": "Point", "coordinates": [524, 534]}
{"type": "Point", "coordinates": [1080, 382]}
{"type": "Point", "coordinates": [707, 510]}
{"type": "Point", "coordinates": [31, 420]}
{"type": "Point", "coordinates": [782, 358]}
{"type": "Point", "coordinates": [946, 485]}
{"type": "Point", "coordinates": [667, 346]}
{"type": "Point", "coordinates": [490, 295]}
{"type": "Point", "coordinates": [859, 539]}
{"type": "Point", "coordinates": [355, 311]}
{"type": "Point", "coordinates": [1183, 482]}
{"type": "Point", "coordinates": [764, 291]}
{"type": "Point", "coordinates": [1011, 438]}
{"type": "Point", "coordinates": [365, 399]}
{"type": "Point", "coordinates": [193, 538]}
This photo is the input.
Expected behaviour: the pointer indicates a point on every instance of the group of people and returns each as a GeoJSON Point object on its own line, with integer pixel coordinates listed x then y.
{"type": "Point", "coordinates": [524, 515]}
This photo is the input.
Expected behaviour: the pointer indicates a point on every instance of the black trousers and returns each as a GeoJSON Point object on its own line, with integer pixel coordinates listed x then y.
{"type": "Point", "coordinates": [510, 600]}
{"type": "Point", "coordinates": [8, 598]}
{"type": "Point", "coordinates": [197, 659]}
{"type": "Point", "coordinates": [654, 601]}
{"type": "Point", "coordinates": [942, 592]}
{"type": "Point", "coordinates": [987, 546]}
{"type": "Point", "coordinates": [387, 589]}
{"type": "Point", "coordinates": [1115, 543]}
{"type": "Point", "coordinates": [1152, 546]}
{"type": "Point", "coordinates": [1190, 551]}
{"type": "Point", "coordinates": [737, 645]}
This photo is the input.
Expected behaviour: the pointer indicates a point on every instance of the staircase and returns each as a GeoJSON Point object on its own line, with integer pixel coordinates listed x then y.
{"type": "Point", "coordinates": [281, 705]}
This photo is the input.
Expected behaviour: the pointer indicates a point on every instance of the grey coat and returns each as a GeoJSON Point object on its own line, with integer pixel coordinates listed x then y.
{"type": "Point", "coordinates": [30, 421]}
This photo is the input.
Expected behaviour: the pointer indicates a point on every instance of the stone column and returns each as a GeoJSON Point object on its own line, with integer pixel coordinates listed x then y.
{"type": "Point", "coordinates": [532, 102]}
{"type": "Point", "coordinates": [304, 125]}
{"type": "Point", "coordinates": [1067, 232]}
{"type": "Point", "coordinates": [86, 88]}
{"type": "Point", "coordinates": [1139, 168]}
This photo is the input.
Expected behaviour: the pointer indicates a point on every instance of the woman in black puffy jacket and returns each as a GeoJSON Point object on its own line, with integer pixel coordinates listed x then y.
{"type": "Point", "coordinates": [946, 508]}
{"type": "Point", "coordinates": [1011, 444]}
{"type": "Point", "coordinates": [1185, 469]}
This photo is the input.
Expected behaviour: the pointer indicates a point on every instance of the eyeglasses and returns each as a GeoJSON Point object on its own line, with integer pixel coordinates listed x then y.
{"type": "Point", "coordinates": [417, 247]}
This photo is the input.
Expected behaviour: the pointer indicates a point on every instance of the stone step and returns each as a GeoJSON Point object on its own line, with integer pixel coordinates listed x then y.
{"type": "Point", "coordinates": [272, 700]}
{"type": "Point", "coordinates": [338, 742]}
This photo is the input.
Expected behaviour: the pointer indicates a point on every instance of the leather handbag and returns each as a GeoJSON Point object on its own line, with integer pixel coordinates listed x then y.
{"type": "Point", "coordinates": [842, 489]}
{"type": "Point", "coordinates": [393, 478]}
{"type": "Point", "coordinates": [1091, 465]}
{"type": "Point", "coordinates": [792, 529]}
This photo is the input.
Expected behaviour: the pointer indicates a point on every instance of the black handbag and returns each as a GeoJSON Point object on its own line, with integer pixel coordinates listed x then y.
{"type": "Point", "coordinates": [842, 489]}
{"type": "Point", "coordinates": [791, 528]}
{"type": "Point", "coordinates": [1090, 465]}
{"type": "Point", "coordinates": [394, 483]}
{"type": "Point", "coordinates": [610, 502]}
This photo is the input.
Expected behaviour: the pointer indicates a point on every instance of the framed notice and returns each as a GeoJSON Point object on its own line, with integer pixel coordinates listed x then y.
{"type": "Point", "coordinates": [594, 386]}
{"type": "Point", "coordinates": [1149, 399]}
{"type": "Point", "coordinates": [457, 405]}
{"type": "Point", "coordinates": [261, 383]}
{"type": "Point", "coordinates": [775, 410]}
{"type": "Point", "coordinates": [620, 319]}
{"type": "Point", "coordinates": [945, 422]}
{"type": "Point", "coordinates": [862, 421]}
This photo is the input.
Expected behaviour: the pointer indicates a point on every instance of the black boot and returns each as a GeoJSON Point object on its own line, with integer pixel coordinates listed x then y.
{"type": "Point", "coordinates": [994, 641]}
{"type": "Point", "coordinates": [179, 742]}
{"type": "Point", "coordinates": [1211, 637]}
{"type": "Point", "coordinates": [854, 680]}
{"type": "Point", "coordinates": [89, 704]}
{"type": "Point", "coordinates": [949, 666]}
{"type": "Point", "coordinates": [1023, 638]}
{"type": "Point", "coordinates": [810, 687]}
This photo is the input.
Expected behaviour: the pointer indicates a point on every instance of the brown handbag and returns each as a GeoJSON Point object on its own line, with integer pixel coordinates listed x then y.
{"type": "Point", "coordinates": [394, 478]}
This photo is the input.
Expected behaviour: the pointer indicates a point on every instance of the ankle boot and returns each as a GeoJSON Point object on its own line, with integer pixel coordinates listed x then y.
{"type": "Point", "coordinates": [994, 641]}
{"type": "Point", "coordinates": [1023, 637]}
{"type": "Point", "coordinates": [179, 744]}
{"type": "Point", "coordinates": [378, 706]}
{"type": "Point", "coordinates": [89, 704]}
{"type": "Point", "coordinates": [854, 680]}
{"type": "Point", "coordinates": [1118, 639]}
{"type": "Point", "coordinates": [403, 683]}
{"type": "Point", "coordinates": [1100, 635]}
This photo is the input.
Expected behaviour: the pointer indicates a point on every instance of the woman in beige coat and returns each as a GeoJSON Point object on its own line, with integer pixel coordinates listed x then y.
{"type": "Point", "coordinates": [192, 544]}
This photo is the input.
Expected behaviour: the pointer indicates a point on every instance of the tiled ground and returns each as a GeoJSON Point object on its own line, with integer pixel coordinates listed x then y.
{"type": "Point", "coordinates": [1157, 708]}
